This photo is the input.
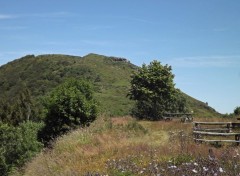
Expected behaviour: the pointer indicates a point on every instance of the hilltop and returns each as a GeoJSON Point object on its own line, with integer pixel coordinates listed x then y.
{"type": "Point", "coordinates": [109, 75]}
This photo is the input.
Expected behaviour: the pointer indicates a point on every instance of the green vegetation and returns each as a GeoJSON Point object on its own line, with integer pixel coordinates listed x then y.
{"type": "Point", "coordinates": [21, 109]}
{"type": "Point", "coordinates": [237, 111]}
{"type": "Point", "coordinates": [18, 145]}
{"type": "Point", "coordinates": [69, 106]}
{"type": "Point", "coordinates": [110, 76]}
{"type": "Point", "coordinates": [153, 89]}
{"type": "Point", "coordinates": [201, 109]}
{"type": "Point", "coordinates": [47, 88]}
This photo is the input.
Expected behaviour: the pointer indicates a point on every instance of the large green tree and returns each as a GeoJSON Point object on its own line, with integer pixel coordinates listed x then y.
{"type": "Point", "coordinates": [237, 110]}
{"type": "Point", "coordinates": [153, 89]}
{"type": "Point", "coordinates": [69, 106]}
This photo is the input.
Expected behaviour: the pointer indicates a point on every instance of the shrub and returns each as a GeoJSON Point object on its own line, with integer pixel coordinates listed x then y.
{"type": "Point", "coordinates": [69, 106]}
{"type": "Point", "coordinates": [18, 145]}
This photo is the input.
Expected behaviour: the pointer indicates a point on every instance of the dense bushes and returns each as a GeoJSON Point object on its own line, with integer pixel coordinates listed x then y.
{"type": "Point", "coordinates": [18, 145]}
{"type": "Point", "coordinates": [20, 108]}
{"type": "Point", "coordinates": [69, 106]}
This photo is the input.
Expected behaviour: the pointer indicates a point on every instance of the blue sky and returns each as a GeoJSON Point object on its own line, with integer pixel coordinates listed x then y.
{"type": "Point", "coordinates": [200, 39]}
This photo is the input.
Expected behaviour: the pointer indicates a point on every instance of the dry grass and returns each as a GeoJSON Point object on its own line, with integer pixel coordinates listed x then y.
{"type": "Point", "coordinates": [120, 138]}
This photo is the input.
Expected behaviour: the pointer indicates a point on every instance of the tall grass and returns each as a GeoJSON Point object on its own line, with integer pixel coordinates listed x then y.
{"type": "Point", "coordinates": [124, 146]}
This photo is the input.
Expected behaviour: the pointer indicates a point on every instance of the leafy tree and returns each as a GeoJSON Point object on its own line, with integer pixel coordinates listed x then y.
{"type": "Point", "coordinates": [18, 145]}
{"type": "Point", "coordinates": [153, 89]}
{"type": "Point", "coordinates": [237, 111]}
{"type": "Point", "coordinates": [69, 106]}
{"type": "Point", "coordinates": [19, 109]}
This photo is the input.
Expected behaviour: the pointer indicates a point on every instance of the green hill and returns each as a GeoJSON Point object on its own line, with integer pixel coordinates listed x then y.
{"type": "Point", "coordinates": [109, 75]}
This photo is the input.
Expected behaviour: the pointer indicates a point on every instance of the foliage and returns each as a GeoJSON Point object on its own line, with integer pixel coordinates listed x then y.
{"type": "Point", "coordinates": [69, 106]}
{"type": "Point", "coordinates": [153, 89]}
{"type": "Point", "coordinates": [19, 109]}
{"type": "Point", "coordinates": [41, 74]}
{"type": "Point", "coordinates": [18, 145]}
{"type": "Point", "coordinates": [111, 80]}
{"type": "Point", "coordinates": [237, 110]}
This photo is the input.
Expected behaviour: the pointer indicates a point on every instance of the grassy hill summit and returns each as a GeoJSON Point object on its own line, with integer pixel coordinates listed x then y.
{"type": "Point", "coordinates": [109, 75]}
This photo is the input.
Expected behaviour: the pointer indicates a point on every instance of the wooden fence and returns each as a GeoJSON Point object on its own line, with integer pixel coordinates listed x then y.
{"type": "Point", "coordinates": [226, 130]}
{"type": "Point", "coordinates": [184, 117]}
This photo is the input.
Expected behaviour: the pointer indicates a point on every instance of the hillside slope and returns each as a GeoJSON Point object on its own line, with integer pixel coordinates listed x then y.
{"type": "Point", "coordinates": [109, 75]}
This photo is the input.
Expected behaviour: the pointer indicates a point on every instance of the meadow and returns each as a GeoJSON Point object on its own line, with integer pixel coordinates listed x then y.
{"type": "Point", "coordinates": [124, 146]}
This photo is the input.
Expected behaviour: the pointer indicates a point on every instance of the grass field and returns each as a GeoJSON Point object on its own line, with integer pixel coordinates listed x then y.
{"type": "Point", "coordinates": [123, 146]}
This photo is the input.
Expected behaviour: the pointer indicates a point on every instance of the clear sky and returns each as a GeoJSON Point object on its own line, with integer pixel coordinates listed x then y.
{"type": "Point", "coordinates": [200, 39]}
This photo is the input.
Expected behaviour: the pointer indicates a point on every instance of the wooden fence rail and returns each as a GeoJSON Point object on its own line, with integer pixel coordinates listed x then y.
{"type": "Point", "coordinates": [223, 129]}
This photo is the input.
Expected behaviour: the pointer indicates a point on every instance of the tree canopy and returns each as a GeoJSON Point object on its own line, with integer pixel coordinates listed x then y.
{"type": "Point", "coordinates": [69, 106]}
{"type": "Point", "coordinates": [153, 89]}
{"type": "Point", "coordinates": [237, 110]}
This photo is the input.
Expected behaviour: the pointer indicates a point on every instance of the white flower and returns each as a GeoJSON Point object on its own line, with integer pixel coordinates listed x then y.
{"type": "Point", "coordinates": [172, 167]}
{"type": "Point", "coordinates": [220, 169]}
{"type": "Point", "coordinates": [205, 169]}
{"type": "Point", "coordinates": [195, 171]}
{"type": "Point", "coordinates": [195, 164]}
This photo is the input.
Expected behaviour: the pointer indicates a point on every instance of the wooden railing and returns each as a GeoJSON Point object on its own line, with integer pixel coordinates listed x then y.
{"type": "Point", "coordinates": [223, 129]}
{"type": "Point", "coordinates": [184, 117]}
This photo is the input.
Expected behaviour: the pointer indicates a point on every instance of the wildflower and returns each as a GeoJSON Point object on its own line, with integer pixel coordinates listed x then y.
{"type": "Point", "coordinates": [195, 164]}
{"type": "Point", "coordinates": [205, 169]}
{"type": "Point", "coordinates": [220, 169]}
{"type": "Point", "coordinates": [195, 171]}
{"type": "Point", "coordinates": [172, 167]}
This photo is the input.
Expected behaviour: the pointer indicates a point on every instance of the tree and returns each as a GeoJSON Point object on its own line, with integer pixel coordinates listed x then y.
{"type": "Point", "coordinates": [237, 111]}
{"type": "Point", "coordinates": [152, 88]}
{"type": "Point", "coordinates": [69, 106]}
{"type": "Point", "coordinates": [18, 109]}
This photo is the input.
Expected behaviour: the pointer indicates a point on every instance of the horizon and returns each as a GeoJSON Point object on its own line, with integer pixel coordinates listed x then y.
{"type": "Point", "coordinates": [199, 39]}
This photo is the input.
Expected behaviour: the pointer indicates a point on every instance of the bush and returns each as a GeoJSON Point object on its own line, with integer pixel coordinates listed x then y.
{"type": "Point", "coordinates": [69, 106]}
{"type": "Point", "coordinates": [18, 145]}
